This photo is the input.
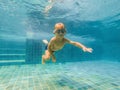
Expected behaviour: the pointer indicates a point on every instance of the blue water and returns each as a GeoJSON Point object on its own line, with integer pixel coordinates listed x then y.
{"type": "Point", "coordinates": [94, 23]}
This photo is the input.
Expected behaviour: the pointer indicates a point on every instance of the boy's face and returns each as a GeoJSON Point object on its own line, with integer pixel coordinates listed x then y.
{"type": "Point", "coordinates": [60, 32]}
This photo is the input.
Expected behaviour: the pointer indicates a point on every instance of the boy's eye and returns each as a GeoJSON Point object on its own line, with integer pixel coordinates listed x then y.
{"type": "Point", "coordinates": [62, 31]}
{"type": "Point", "coordinates": [58, 31]}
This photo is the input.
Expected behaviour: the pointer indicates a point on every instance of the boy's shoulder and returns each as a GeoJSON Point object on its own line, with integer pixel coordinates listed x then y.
{"type": "Point", "coordinates": [52, 39]}
{"type": "Point", "coordinates": [65, 39]}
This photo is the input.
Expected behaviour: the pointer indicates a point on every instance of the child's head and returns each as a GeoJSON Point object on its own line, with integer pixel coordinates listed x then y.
{"type": "Point", "coordinates": [59, 28]}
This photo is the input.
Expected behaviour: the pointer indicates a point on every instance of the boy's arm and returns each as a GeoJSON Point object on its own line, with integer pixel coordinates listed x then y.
{"type": "Point", "coordinates": [77, 44]}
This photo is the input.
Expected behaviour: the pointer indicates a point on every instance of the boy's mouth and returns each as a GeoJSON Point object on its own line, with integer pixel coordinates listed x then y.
{"type": "Point", "coordinates": [61, 35]}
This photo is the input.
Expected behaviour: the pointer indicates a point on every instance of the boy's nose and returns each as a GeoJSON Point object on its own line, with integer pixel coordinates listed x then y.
{"type": "Point", "coordinates": [61, 33]}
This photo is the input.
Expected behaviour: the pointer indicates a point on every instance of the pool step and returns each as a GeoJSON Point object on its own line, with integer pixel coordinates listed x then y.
{"type": "Point", "coordinates": [12, 54]}
{"type": "Point", "coordinates": [11, 61]}
{"type": "Point", "coordinates": [11, 51]}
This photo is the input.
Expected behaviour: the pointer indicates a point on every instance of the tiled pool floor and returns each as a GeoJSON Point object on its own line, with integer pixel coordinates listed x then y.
{"type": "Point", "coordinates": [85, 75]}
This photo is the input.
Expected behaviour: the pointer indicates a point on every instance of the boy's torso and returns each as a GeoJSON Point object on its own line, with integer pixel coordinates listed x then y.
{"type": "Point", "coordinates": [57, 44]}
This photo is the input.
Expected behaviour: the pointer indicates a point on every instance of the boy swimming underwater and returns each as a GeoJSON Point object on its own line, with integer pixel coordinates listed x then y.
{"type": "Point", "coordinates": [58, 41]}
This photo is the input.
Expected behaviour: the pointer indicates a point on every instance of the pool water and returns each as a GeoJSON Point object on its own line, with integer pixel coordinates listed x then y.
{"type": "Point", "coordinates": [94, 23]}
{"type": "Point", "coordinates": [87, 75]}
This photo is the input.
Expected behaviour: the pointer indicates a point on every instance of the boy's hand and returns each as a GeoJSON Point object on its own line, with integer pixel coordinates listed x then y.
{"type": "Point", "coordinates": [87, 50]}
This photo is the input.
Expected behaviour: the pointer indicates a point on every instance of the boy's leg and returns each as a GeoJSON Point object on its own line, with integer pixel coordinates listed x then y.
{"type": "Point", "coordinates": [45, 57]}
{"type": "Point", "coordinates": [53, 58]}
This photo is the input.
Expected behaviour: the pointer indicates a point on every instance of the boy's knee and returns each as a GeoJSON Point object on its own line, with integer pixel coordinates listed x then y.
{"type": "Point", "coordinates": [45, 57]}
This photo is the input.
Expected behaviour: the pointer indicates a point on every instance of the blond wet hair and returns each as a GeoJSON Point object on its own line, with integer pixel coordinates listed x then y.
{"type": "Point", "coordinates": [59, 26]}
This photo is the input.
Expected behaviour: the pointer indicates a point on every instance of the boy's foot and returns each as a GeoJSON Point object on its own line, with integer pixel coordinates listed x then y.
{"type": "Point", "coordinates": [43, 62]}
{"type": "Point", "coordinates": [53, 59]}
